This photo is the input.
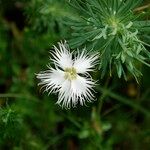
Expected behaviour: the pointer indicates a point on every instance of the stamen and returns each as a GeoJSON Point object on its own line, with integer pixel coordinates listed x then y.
{"type": "Point", "coordinates": [70, 73]}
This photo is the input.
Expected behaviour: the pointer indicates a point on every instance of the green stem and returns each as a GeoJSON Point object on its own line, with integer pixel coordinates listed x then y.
{"type": "Point", "coordinates": [102, 97]}
{"type": "Point", "coordinates": [124, 100]}
{"type": "Point", "coordinates": [10, 95]}
{"type": "Point", "coordinates": [15, 95]}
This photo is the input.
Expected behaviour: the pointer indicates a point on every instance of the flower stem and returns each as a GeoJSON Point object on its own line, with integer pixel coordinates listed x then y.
{"type": "Point", "coordinates": [124, 100]}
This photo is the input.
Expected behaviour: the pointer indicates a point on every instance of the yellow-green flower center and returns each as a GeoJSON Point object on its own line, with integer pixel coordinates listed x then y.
{"type": "Point", "coordinates": [70, 73]}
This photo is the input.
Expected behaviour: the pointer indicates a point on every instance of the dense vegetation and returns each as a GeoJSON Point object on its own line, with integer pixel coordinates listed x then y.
{"type": "Point", "coordinates": [29, 119]}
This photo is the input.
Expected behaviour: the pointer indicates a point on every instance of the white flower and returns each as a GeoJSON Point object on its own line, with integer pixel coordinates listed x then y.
{"type": "Point", "coordinates": [70, 77]}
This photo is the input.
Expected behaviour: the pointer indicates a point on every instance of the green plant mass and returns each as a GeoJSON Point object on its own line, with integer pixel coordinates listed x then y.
{"type": "Point", "coordinates": [113, 29]}
{"type": "Point", "coordinates": [74, 74]}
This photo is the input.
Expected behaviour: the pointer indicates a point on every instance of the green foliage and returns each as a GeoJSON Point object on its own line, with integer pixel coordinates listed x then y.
{"type": "Point", "coordinates": [110, 27]}
{"type": "Point", "coordinates": [10, 125]}
{"type": "Point", "coordinates": [30, 120]}
{"type": "Point", "coordinates": [44, 16]}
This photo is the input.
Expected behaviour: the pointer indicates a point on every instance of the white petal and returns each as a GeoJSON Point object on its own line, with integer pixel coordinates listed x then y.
{"type": "Point", "coordinates": [82, 89]}
{"type": "Point", "coordinates": [64, 96]}
{"type": "Point", "coordinates": [72, 92]}
{"type": "Point", "coordinates": [84, 63]}
{"type": "Point", "coordinates": [62, 56]}
{"type": "Point", "coordinates": [51, 79]}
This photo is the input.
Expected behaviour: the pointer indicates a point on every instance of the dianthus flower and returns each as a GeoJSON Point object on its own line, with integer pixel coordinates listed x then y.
{"type": "Point", "coordinates": [70, 76]}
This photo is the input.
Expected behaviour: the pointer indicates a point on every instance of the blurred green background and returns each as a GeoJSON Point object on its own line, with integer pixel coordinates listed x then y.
{"type": "Point", "coordinates": [30, 120]}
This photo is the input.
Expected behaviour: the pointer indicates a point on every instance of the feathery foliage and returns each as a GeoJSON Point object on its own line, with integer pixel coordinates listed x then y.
{"type": "Point", "coordinates": [113, 29]}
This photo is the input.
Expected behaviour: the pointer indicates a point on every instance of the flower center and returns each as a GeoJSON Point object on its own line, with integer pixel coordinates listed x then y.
{"type": "Point", "coordinates": [70, 73]}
